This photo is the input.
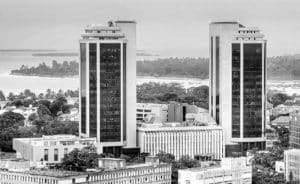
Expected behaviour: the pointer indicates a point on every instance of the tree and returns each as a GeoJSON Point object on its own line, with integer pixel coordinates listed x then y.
{"type": "Point", "coordinates": [11, 96]}
{"type": "Point", "coordinates": [11, 119]}
{"type": "Point", "coordinates": [56, 105]}
{"type": "Point", "coordinates": [44, 113]}
{"type": "Point", "coordinates": [278, 98]}
{"type": "Point", "coordinates": [80, 160]}
{"type": "Point", "coordinates": [2, 96]}
{"type": "Point", "coordinates": [32, 117]}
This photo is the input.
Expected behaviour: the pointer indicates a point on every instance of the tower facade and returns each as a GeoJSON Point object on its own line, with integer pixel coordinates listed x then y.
{"type": "Point", "coordinates": [108, 85]}
{"type": "Point", "coordinates": [237, 78]}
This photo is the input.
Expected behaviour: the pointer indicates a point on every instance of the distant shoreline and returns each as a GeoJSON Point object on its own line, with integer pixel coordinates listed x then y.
{"type": "Point", "coordinates": [141, 77]}
{"type": "Point", "coordinates": [49, 76]}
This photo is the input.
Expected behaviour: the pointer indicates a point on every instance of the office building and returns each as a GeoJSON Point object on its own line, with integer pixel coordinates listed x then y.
{"type": "Point", "coordinates": [237, 78]}
{"type": "Point", "coordinates": [294, 128]}
{"type": "Point", "coordinates": [108, 85]}
{"type": "Point", "coordinates": [48, 149]}
{"type": "Point", "coordinates": [292, 165]}
{"type": "Point", "coordinates": [231, 170]}
{"type": "Point", "coordinates": [182, 139]}
{"type": "Point", "coordinates": [160, 111]}
{"type": "Point", "coordinates": [177, 111]}
{"type": "Point", "coordinates": [111, 171]}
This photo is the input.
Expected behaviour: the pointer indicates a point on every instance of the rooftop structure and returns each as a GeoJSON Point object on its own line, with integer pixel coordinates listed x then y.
{"type": "Point", "coordinates": [231, 170]}
{"type": "Point", "coordinates": [48, 149]}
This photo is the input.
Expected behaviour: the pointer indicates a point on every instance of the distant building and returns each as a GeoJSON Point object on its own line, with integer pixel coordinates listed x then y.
{"type": "Point", "coordinates": [160, 111]}
{"type": "Point", "coordinates": [177, 111]}
{"type": "Point", "coordinates": [181, 139]}
{"type": "Point", "coordinates": [15, 164]}
{"type": "Point", "coordinates": [294, 139]}
{"type": "Point", "coordinates": [112, 171]}
{"type": "Point", "coordinates": [272, 137]}
{"type": "Point", "coordinates": [72, 116]}
{"type": "Point", "coordinates": [284, 110]}
{"type": "Point", "coordinates": [48, 149]}
{"type": "Point", "coordinates": [283, 121]}
{"type": "Point", "coordinates": [292, 165]}
{"type": "Point", "coordinates": [279, 166]}
{"type": "Point", "coordinates": [231, 170]}
{"type": "Point", "coordinates": [108, 86]}
{"type": "Point", "coordinates": [237, 95]}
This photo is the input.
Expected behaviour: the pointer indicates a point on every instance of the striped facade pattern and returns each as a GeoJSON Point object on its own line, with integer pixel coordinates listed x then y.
{"type": "Point", "coordinates": [183, 141]}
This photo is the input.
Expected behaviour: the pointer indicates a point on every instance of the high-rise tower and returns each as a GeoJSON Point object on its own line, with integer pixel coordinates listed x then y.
{"type": "Point", "coordinates": [108, 85]}
{"type": "Point", "coordinates": [238, 83]}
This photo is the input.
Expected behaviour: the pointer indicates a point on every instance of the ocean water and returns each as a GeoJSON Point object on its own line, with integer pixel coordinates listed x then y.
{"type": "Point", "coordinates": [13, 83]}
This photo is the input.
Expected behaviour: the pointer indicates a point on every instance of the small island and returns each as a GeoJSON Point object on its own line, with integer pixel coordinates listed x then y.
{"type": "Point", "coordinates": [65, 69]}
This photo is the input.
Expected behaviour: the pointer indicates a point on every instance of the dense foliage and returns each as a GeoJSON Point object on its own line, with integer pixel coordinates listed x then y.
{"type": "Point", "coordinates": [277, 98]}
{"type": "Point", "coordinates": [65, 69]}
{"type": "Point", "coordinates": [80, 160]}
{"type": "Point", "coordinates": [26, 97]}
{"type": "Point", "coordinates": [264, 162]}
{"type": "Point", "coordinates": [163, 93]}
{"type": "Point", "coordinates": [174, 67]}
{"type": "Point", "coordinates": [46, 123]}
{"type": "Point", "coordinates": [279, 67]}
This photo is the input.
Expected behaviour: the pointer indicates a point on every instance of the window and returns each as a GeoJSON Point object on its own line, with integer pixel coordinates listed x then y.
{"type": "Point", "coordinates": [236, 90]}
{"type": "Point", "coordinates": [65, 152]}
{"type": "Point", "coordinates": [253, 90]}
{"type": "Point", "coordinates": [93, 89]}
{"type": "Point", "coordinates": [45, 154]}
{"type": "Point", "coordinates": [83, 85]}
{"type": "Point", "coordinates": [55, 154]}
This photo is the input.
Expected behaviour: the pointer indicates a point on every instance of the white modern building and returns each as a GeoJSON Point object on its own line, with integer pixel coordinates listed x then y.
{"type": "Point", "coordinates": [237, 83]}
{"type": "Point", "coordinates": [48, 149]}
{"type": "Point", "coordinates": [160, 111]}
{"type": "Point", "coordinates": [292, 165]}
{"type": "Point", "coordinates": [231, 170]}
{"type": "Point", "coordinates": [108, 85]}
{"type": "Point", "coordinates": [181, 139]}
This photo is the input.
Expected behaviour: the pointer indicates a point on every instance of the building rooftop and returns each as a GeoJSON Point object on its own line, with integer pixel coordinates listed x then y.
{"type": "Point", "coordinates": [51, 173]}
{"type": "Point", "coordinates": [224, 21]}
{"type": "Point", "coordinates": [281, 120]}
{"type": "Point", "coordinates": [171, 126]}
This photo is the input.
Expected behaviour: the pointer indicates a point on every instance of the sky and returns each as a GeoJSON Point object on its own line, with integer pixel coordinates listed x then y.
{"type": "Point", "coordinates": [166, 27]}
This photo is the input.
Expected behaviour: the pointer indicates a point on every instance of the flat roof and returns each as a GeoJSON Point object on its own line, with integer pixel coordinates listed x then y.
{"type": "Point", "coordinates": [125, 21]}
{"type": "Point", "coordinates": [51, 173]}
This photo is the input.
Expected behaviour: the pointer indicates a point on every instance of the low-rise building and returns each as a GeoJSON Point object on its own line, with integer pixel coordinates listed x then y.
{"type": "Point", "coordinates": [42, 177]}
{"type": "Point", "coordinates": [110, 171]}
{"type": "Point", "coordinates": [292, 165]}
{"type": "Point", "coordinates": [116, 172]}
{"type": "Point", "coordinates": [283, 121]}
{"type": "Point", "coordinates": [231, 170]}
{"type": "Point", "coordinates": [181, 139]}
{"type": "Point", "coordinates": [294, 139]}
{"type": "Point", "coordinates": [284, 110]}
{"type": "Point", "coordinates": [160, 111]}
{"type": "Point", "coordinates": [272, 137]}
{"type": "Point", "coordinates": [49, 149]}
{"type": "Point", "coordinates": [279, 166]}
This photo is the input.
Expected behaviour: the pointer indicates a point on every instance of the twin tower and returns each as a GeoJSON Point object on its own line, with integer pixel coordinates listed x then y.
{"type": "Point", "coordinates": [237, 71]}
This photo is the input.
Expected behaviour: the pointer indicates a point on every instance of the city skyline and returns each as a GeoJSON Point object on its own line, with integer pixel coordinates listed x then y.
{"type": "Point", "coordinates": [168, 28]}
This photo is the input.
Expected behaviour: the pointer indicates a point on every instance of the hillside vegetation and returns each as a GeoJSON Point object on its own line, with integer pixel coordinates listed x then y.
{"type": "Point", "coordinates": [279, 67]}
